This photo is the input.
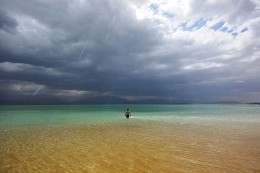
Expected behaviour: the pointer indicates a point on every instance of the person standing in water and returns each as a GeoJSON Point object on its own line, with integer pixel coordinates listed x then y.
{"type": "Point", "coordinates": [127, 113]}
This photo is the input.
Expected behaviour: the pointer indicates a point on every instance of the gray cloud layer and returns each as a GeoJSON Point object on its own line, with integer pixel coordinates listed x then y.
{"type": "Point", "coordinates": [156, 52]}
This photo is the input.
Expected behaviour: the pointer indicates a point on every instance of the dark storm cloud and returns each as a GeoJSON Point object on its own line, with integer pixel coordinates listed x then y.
{"type": "Point", "coordinates": [7, 23]}
{"type": "Point", "coordinates": [85, 51]}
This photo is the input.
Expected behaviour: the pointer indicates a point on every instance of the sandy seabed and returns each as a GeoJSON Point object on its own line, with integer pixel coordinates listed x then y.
{"type": "Point", "coordinates": [130, 146]}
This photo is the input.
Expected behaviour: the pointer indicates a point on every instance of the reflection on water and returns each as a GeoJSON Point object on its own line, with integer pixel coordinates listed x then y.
{"type": "Point", "coordinates": [130, 146]}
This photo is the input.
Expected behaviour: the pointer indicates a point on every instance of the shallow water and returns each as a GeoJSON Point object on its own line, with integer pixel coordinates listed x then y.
{"type": "Point", "coordinates": [158, 138]}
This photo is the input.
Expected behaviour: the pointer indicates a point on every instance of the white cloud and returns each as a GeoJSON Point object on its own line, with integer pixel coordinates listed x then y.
{"type": "Point", "coordinates": [27, 68]}
{"type": "Point", "coordinates": [20, 87]}
{"type": "Point", "coordinates": [72, 93]}
{"type": "Point", "coordinates": [157, 66]}
{"type": "Point", "coordinates": [240, 81]}
{"type": "Point", "coordinates": [10, 67]}
{"type": "Point", "coordinates": [202, 66]}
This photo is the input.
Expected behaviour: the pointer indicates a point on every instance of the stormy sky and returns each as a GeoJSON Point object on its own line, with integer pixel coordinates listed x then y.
{"type": "Point", "coordinates": [114, 51]}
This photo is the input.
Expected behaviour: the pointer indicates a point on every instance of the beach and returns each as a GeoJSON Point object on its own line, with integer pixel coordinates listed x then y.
{"type": "Point", "coordinates": [138, 144]}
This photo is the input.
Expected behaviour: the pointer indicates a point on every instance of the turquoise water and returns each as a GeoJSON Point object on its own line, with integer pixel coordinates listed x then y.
{"type": "Point", "coordinates": [113, 113]}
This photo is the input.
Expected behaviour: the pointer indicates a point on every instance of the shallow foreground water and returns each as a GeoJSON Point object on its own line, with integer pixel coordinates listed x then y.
{"type": "Point", "coordinates": [158, 138]}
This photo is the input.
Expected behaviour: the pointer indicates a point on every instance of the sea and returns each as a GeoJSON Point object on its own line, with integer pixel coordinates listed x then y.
{"type": "Point", "coordinates": [155, 139]}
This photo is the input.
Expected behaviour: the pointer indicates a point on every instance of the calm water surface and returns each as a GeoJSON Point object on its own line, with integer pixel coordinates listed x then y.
{"type": "Point", "coordinates": [158, 138]}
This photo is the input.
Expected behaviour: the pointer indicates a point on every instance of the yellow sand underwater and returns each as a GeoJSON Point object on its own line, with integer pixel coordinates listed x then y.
{"type": "Point", "coordinates": [130, 146]}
